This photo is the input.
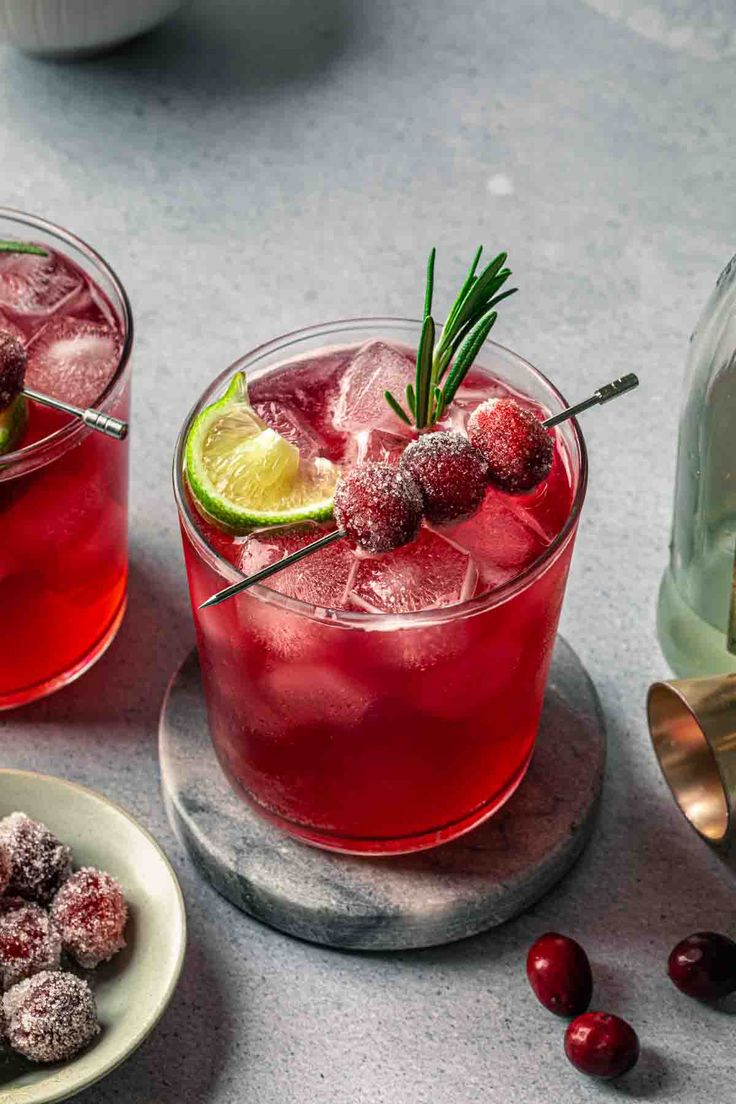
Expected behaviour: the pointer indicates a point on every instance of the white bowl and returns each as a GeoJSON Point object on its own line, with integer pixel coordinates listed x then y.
{"type": "Point", "coordinates": [78, 28]}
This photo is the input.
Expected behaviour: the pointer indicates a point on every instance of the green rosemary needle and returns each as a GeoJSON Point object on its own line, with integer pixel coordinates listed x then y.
{"type": "Point", "coordinates": [443, 363]}
{"type": "Point", "coordinates": [22, 247]}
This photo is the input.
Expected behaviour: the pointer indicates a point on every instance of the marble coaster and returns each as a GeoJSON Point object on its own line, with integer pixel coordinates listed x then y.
{"type": "Point", "coordinates": [487, 876]}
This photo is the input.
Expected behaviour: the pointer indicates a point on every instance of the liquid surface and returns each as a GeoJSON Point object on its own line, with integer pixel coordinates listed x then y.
{"type": "Point", "coordinates": [332, 405]}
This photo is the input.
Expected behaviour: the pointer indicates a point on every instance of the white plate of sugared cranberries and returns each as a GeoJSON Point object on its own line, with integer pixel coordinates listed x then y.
{"type": "Point", "coordinates": [92, 937]}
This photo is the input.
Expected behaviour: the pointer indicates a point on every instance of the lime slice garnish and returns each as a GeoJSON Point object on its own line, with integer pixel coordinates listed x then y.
{"type": "Point", "coordinates": [13, 422]}
{"type": "Point", "coordinates": [244, 474]}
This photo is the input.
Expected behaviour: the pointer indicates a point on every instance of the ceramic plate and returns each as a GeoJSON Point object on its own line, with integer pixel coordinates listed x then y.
{"type": "Point", "coordinates": [133, 990]}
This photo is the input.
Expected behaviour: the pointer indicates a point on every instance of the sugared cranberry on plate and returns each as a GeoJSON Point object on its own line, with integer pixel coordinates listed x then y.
{"type": "Point", "coordinates": [90, 913]}
{"type": "Point", "coordinates": [29, 942]}
{"type": "Point", "coordinates": [40, 863]}
{"type": "Point", "coordinates": [50, 1017]}
{"type": "Point", "coordinates": [703, 966]}
{"type": "Point", "coordinates": [601, 1045]}
{"type": "Point", "coordinates": [378, 506]}
{"type": "Point", "coordinates": [451, 473]}
{"type": "Point", "coordinates": [559, 973]}
{"type": "Point", "coordinates": [517, 448]}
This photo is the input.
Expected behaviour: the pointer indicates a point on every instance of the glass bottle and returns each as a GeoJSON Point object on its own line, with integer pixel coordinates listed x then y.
{"type": "Point", "coordinates": [696, 617]}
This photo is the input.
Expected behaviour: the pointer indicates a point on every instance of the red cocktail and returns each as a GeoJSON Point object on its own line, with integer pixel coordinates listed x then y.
{"type": "Point", "coordinates": [63, 488]}
{"type": "Point", "coordinates": [381, 704]}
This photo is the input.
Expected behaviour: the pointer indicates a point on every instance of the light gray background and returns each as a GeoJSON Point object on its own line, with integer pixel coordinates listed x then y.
{"type": "Point", "coordinates": [263, 164]}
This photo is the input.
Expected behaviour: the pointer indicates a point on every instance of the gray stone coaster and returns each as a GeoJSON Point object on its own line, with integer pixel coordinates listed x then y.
{"type": "Point", "coordinates": [437, 896]}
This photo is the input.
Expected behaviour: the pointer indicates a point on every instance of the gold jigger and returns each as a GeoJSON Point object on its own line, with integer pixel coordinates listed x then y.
{"type": "Point", "coordinates": [692, 723]}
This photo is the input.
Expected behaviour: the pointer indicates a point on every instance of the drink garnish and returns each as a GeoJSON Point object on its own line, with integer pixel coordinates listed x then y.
{"type": "Point", "coordinates": [515, 443]}
{"type": "Point", "coordinates": [378, 506]}
{"type": "Point", "coordinates": [22, 247]}
{"type": "Point", "coordinates": [245, 474]}
{"type": "Point", "coordinates": [443, 365]}
{"type": "Point", "coordinates": [452, 475]}
{"type": "Point", "coordinates": [603, 394]}
{"type": "Point", "coordinates": [13, 395]}
{"type": "Point", "coordinates": [13, 406]}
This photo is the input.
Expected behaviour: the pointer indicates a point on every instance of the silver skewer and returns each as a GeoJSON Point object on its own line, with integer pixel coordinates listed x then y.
{"type": "Point", "coordinates": [602, 395]}
{"type": "Point", "coordinates": [266, 572]}
{"type": "Point", "coordinates": [95, 419]}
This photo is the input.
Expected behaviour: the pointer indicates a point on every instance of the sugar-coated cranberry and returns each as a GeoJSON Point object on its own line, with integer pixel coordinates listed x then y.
{"type": "Point", "coordinates": [518, 449]}
{"type": "Point", "coordinates": [451, 473]}
{"type": "Point", "coordinates": [704, 966]}
{"type": "Point", "coordinates": [50, 1017]}
{"type": "Point", "coordinates": [90, 913]}
{"type": "Point", "coordinates": [601, 1045]}
{"type": "Point", "coordinates": [378, 506]}
{"type": "Point", "coordinates": [13, 360]}
{"type": "Point", "coordinates": [559, 973]}
{"type": "Point", "coordinates": [29, 941]}
{"type": "Point", "coordinates": [40, 863]}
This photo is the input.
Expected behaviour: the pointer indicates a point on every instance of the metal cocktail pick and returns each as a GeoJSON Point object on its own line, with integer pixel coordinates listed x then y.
{"type": "Point", "coordinates": [94, 419]}
{"type": "Point", "coordinates": [602, 395]}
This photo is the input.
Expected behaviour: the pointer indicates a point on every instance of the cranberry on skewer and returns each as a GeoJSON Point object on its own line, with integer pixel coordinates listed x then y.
{"type": "Point", "coordinates": [452, 475]}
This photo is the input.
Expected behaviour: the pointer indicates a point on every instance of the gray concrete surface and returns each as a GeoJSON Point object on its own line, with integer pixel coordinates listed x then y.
{"type": "Point", "coordinates": [262, 164]}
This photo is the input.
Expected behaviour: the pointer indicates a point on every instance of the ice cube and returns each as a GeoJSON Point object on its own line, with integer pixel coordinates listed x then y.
{"type": "Point", "coordinates": [375, 367]}
{"type": "Point", "coordinates": [291, 426]}
{"type": "Point", "coordinates": [310, 386]}
{"type": "Point", "coordinates": [30, 284]}
{"type": "Point", "coordinates": [315, 695]}
{"type": "Point", "coordinates": [73, 360]}
{"type": "Point", "coordinates": [503, 538]}
{"type": "Point", "coordinates": [7, 324]}
{"type": "Point", "coordinates": [427, 574]}
{"type": "Point", "coordinates": [321, 579]}
{"type": "Point", "coordinates": [379, 444]}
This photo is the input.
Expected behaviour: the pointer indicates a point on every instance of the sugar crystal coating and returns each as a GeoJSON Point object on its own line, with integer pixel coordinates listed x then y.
{"type": "Point", "coordinates": [29, 942]}
{"type": "Point", "coordinates": [50, 1017]}
{"type": "Point", "coordinates": [40, 863]}
{"type": "Point", "coordinates": [90, 913]}
{"type": "Point", "coordinates": [452, 475]}
{"type": "Point", "coordinates": [13, 359]}
{"type": "Point", "coordinates": [378, 506]}
{"type": "Point", "coordinates": [517, 447]}
{"type": "Point", "coordinates": [6, 867]}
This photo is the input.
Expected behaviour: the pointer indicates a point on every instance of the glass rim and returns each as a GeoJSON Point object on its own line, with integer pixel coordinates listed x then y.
{"type": "Point", "coordinates": [494, 596]}
{"type": "Point", "coordinates": [75, 427]}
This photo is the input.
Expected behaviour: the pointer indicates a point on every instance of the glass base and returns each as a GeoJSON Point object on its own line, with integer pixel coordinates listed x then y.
{"type": "Point", "coordinates": [50, 686]}
{"type": "Point", "coordinates": [402, 845]}
{"type": "Point", "coordinates": [691, 646]}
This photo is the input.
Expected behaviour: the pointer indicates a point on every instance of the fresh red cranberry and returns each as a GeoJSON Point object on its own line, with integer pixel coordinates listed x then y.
{"type": "Point", "coordinates": [601, 1045]}
{"type": "Point", "coordinates": [378, 506]}
{"type": "Point", "coordinates": [559, 973]}
{"type": "Point", "coordinates": [518, 449]}
{"type": "Point", "coordinates": [13, 360]}
{"type": "Point", "coordinates": [452, 475]}
{"type": "Point", "coordinates": [704, 966]}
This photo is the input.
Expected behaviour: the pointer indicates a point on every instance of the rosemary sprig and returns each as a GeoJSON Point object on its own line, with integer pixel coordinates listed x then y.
{"type": "Point", "coordinates": [443, 363]}
{"type": "Point", "coordinates": [22, 247]}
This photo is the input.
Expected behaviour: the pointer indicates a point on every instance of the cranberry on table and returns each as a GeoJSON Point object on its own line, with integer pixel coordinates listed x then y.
{"type": "Point", "coordinates": [50, 1017]}
{"type": "Point", "coordinates": [601, 1045]}
{"type": "Point", "coordinates": [559, 973]}
{"type": "Point", "coordinates": [517, 448]}
{"type": "Point", "coordinates": [703, 966]}
{"type": "Point", "coordinates": [378, 506]}
{"type": "Point", "coordinates": [90, 914]}
{"type": "Point", "coordinates": [451, 473]}
{"type": "Point", "coordinates": [40, 863]}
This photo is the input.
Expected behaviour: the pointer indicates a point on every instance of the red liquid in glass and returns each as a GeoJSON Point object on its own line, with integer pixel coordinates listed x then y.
{"type": "Point", "coordinates": [63, 517]}
{"type": "Point", "coordinates": [387, 733]}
